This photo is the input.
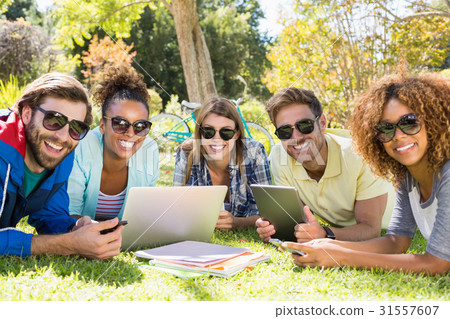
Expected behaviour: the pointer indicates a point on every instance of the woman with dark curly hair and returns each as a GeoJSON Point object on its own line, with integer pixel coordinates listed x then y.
{"type": "Point", "coordinates": [117, 154]}
{"type": "Point", "coordinates": [401, 127]}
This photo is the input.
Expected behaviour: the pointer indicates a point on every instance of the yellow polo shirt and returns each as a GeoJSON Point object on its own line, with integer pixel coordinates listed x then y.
{"type": "Point", "coordinates": [346, 179]}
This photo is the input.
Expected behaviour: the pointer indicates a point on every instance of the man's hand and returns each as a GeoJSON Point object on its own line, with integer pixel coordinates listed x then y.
{"type": "Point", "coordinates": [309, 230]}
{"type": "Point", "coordinates": [92, 244]}
{"type": "Point", "coordinates": [226, 221]}
{"type": "Point", "coordinates": [265, 229]}
{"type": "Point", "coordinates": [85, 241]}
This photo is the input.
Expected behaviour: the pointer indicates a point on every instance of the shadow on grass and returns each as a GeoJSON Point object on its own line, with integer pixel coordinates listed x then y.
{"type": "Point", "coordinates": [197, 289]}
{"type": "Point", "coordinates": [112, 272]}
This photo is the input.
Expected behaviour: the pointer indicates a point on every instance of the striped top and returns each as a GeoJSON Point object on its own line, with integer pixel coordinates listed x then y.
{"type": "Point", "coordinates": [109, 206]}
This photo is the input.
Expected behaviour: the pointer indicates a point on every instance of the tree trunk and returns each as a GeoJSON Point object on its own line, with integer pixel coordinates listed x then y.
{"type": "Point", "coordinates": [194, 53]}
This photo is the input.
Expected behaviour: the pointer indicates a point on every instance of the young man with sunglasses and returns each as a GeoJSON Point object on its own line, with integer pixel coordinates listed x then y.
{"type": "Point", "coordinates": [37, 141]}
{"type": "Point", "coordinates": [332, 181]}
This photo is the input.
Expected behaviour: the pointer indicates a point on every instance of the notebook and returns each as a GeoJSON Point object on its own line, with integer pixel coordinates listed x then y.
{"type": "Point", "coordinates": [190, 257]}
{"type": "Point", "coordinates": [163, 215]}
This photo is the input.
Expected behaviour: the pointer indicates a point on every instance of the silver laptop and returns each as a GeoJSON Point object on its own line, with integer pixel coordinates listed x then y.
{"type": "Point", "coordinates": [281, 205]}
{"type": "Point", "coordinates": [164, 215]}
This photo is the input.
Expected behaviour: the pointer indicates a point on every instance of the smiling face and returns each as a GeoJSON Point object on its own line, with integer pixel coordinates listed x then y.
{"type": "Point", "coordinates": [216, 148]}
{"type": "Point", "coordinates": [46, 149]}
{"type": "Point", "coordinates": [306, 148]}
{"type": "Point", "coordinates": [408, 150]}
{"type": "Point", "coordinates": [122, 146]}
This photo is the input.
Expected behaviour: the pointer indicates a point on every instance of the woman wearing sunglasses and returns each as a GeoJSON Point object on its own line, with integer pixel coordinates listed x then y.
{"type": "Point", "coordinates": [401, 128]}
{"type": "Point", "coordinates": [117, 154]}
{"type": "Point", "coordinates": [220, 154]}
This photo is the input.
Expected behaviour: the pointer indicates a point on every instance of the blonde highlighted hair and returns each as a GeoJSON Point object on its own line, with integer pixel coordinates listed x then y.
{"type": "Point", "coordinates": [222, 107]}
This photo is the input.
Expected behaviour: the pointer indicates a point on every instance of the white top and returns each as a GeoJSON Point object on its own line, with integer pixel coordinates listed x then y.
{"type": "Point", "coordinates": [424, 217]}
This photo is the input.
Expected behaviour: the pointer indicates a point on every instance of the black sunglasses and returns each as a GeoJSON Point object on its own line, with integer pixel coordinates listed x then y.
{"type": "Point", "coordinates": [408, 124]}
{"type": "Point", "coordinates": [54, 121]}
{"type": "Point", "coordinates": [121, 125]}
{"type": "Point", "coordinates": [305, 126]}
{"type": "Point", "coordinates": [209, 132]}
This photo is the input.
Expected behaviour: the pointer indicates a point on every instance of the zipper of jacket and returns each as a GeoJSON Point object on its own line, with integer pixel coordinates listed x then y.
{"type": "Point", "coordinates": [4, 189]}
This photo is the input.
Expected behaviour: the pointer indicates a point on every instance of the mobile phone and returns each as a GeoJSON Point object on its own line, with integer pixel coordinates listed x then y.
{"type": "Point", "coordinates": [121, 222]}
{"type": "Point", "coordinates": [278, 243]}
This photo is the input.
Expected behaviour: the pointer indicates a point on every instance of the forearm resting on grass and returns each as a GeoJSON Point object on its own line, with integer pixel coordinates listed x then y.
{"type": "Point", "coordinates": [384, 253]}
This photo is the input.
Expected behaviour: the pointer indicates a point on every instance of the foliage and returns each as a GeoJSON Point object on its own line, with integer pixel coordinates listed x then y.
{"type": "Point", "coordinates": [155, 102]}
{"type": "Point", "coordinates": [4, 5]}
{"type": "Point", "coordinates": [337, 48]}
{"type": "Point", "coordinates": [22, 9]}
{"type": "Point", "coordinates": [236, 45]}
{"type": "Point", "coordinates": [154, 33]}
{"type": "Point", "coordinates": [105, 53]}
{"type": "Point", "coordinates": [79, 18]}
{"type": "Point", "coordinates": [232, 32]}
{"type": "Point", "coordinates": [446, 72]}
{"type": "Point", "coordinates": [10, 91]}
{"type": "Point", "coordinates": [254, 111]}
{"type": "Point", "coordinates": [20, 44]}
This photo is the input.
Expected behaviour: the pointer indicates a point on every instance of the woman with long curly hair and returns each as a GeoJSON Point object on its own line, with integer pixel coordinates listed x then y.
{"type": "Point", "coordinates": [401, 127]}
{"type": "Point", "coordinates": [118, 154]}
{"type": "Point", "coordinates": [220, 154]}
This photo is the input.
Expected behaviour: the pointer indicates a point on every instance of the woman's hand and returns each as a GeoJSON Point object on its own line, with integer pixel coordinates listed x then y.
{"type": "Point", "coordinates": [226, 221]}
{"type": "Point", "coordinates": [319, 253]}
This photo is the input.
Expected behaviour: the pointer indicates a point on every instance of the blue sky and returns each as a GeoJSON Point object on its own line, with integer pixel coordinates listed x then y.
{"type": "Point", "coordinates": [271, 10]}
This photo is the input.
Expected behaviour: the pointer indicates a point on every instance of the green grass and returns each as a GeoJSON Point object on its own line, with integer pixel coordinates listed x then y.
{"type": "Point", "coordinates": [77, 278]}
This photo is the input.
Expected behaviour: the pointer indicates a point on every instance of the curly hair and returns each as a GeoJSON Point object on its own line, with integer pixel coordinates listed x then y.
{"type": "Point", "coordinates": [120, 84]}
{"type": "Point", "coordinates": [428, 95]}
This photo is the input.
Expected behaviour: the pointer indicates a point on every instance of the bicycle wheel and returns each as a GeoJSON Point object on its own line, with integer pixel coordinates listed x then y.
{"type": "Point", "coordinates": [168, 130]}
{"type": "Point", "coordinates": [261, 135]}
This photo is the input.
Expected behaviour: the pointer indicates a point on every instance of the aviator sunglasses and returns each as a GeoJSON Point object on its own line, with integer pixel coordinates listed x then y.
{"type": "Point", "coordinates": [121, 125]}
{"type": "Point", "coordinates": [209, 132]}
{"type": "Point", "coordinates": [305, 126]}
{"type": "Point", "coordinates": [408, 124]}
{"type": "Point", "coordinates": [54, 121]}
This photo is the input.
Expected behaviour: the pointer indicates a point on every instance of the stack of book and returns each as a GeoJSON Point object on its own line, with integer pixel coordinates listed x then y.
{"type": "Point", "coordinates": [192, 258]}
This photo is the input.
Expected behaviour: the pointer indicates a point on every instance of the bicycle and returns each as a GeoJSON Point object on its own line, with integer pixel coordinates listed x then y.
{"type": "Point", "coordinates": [174, 129]}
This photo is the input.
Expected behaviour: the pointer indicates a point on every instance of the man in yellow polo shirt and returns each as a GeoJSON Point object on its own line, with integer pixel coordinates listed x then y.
{"type": "Point", "coordinates": [333, 182]}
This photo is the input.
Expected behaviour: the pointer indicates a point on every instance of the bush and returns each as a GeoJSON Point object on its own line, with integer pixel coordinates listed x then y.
{"type": "Point", "coordinates": [20, 44]}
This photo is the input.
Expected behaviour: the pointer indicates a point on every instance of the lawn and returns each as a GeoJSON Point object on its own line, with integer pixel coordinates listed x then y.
{"type": "Point", "coordinates": [77, 278]}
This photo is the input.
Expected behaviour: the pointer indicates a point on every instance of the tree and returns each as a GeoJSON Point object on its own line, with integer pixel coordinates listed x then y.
{"type": "Point", "coordinates": [423, 9]}
{"type": "Point", "coordinates": [237, 47]}
{"type": "Point", "coordinates": [155, 39]}
{"type": "Point", "coordinates": [337, 48]}
{"type": "Point", "coordinates": [4, 5]}
{"type": "Point", "coordinates": [231, 32]}
{"type": "Point", "coordinates": [78, 19]}
{"type": "Point", "coordinates": [21, 9]}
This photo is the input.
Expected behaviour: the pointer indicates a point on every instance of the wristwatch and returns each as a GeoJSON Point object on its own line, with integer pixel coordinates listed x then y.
{"type": "Point", "coordinates": [330, 233]}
